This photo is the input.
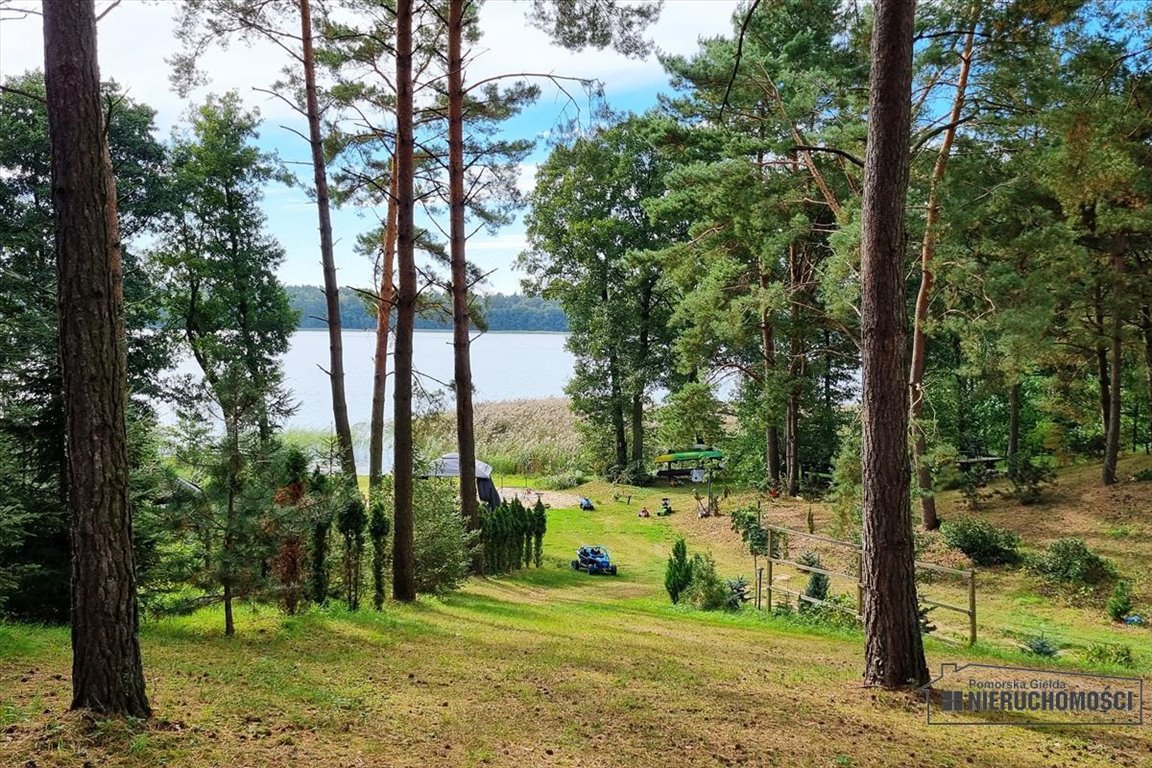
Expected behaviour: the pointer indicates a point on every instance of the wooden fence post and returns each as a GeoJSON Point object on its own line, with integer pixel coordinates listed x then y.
{"type": "Point", "coordinates": [770, 556]}
{"type": "Point", "coordinates": [972, 607]}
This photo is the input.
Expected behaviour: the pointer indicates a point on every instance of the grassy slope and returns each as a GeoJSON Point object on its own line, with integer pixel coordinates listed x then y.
{"type": "Point", "coordinates": [545, 668]}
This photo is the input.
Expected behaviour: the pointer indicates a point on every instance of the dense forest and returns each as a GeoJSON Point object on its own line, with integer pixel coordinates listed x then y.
{"type": "Point", "coordinates": [498, 312]}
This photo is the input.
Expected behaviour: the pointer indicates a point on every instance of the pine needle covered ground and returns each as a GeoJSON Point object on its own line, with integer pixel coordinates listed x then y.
{"type": "Point", "coordinates": [556, 668]}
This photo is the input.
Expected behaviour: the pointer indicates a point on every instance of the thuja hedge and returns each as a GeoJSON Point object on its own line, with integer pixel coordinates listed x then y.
{"type": "Point", "coordinates": [512, 536]}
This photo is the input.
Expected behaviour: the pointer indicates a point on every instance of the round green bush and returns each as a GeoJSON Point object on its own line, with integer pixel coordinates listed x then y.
{"type": "Point", "coordinates": [980, 540]}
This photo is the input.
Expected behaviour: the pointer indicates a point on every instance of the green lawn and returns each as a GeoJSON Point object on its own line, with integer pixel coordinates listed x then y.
{"type": "Point", "coordinates": [549, 667]}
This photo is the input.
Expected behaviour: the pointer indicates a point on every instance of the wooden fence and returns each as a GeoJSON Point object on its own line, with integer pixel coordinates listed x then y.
{"type": "Point", "coordinates": [856, 551]}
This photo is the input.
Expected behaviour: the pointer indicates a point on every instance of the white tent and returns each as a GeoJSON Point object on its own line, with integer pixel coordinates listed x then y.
{"type": "Point", "coordinates": [448, 465]}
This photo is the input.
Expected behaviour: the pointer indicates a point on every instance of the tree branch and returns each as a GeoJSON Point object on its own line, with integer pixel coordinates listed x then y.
{"type": "Point", "coordinates": [846, 155]}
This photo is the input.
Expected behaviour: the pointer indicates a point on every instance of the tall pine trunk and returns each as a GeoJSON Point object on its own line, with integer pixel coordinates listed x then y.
{"type": "Point", "coordinates": [1112, 437]}
{"type": "Point", "coordinates": [1102, 376]}
{"type": "Point", "coordinates": [644, 348]}
{"type": "Point", "coordinates": [461, 319]}
{"type": "Point", "coordinates": [619, 436]}
{"type": "Point", "coordinates": [796, 368]}
{"type": "Point", "coordinates": [771, 432]}
{"type": "Point", "coordinates": [403, 566]}
{"type": "Point", "coordinates": [1013, 427]}
{"type": "Point", "coordinates": [107, 671]}
{"type": "Point", "coordinates": [1146, 326]}
{"type": "Point", "coordinates": [327, 256]}
{"type": "Point", "coordinates": [928, 517]}
{"type": "Point", "coordinates": [894, 651]}
{"type": "Point", "coordinates": [380, 359]}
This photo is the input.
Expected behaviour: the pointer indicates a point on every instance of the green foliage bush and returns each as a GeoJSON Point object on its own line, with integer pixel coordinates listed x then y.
{"type": "Point", "coordinates": [1112, 654]}
{"type": "Point", "coordinates": [818, 583]}
{"type": "Point", "coordinates": [351, 519]}
{"type": "Point", "coordinates": [441, 545]}
{"type": "Point", "coordinates": [922, 617]}
{"type": "Point", "coordinates": [633, 473]}
{"type": "Point", "coordinates": [1143, 476]}
{"type": "Point", "coordinates": [836, 611]}
{"type": "Point", "coordinates": [707, 591]}
{"type": "Point", "coordinates": [379, 526]}
{"type": "Point", "coordinates": [1120, 603]}
{"type": "Point", "coordinates": [737, 594]}
{"type": "Point", "coordinates": [980, 540]}
{"type": "Point", "coordinates": [1029, 479]}
{"type": "Point", "coordinates": [1039, 645]}
{"type": "Point", "coordinates": [562, 481]}
{"type": "Point", "coordinates": [1069, 561]}
{"type": "Point", "coordinates": [846, 484]}
{"type": "Point", "coordinates": [678, 572]}
{"type": "Point", "coordinates": [512, 536]}
{"type": "Point", "coordinates": [746, 522]}
{"type": "Point", "coordinates": [689, 414]}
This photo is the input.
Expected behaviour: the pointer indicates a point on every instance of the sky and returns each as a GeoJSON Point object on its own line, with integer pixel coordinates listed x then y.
{"type": "Point", "coordinates": [137, 36]}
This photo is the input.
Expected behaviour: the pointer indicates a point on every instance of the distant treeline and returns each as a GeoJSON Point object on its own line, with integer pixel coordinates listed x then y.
{"type": "Point", "coordinates": [502, 312]}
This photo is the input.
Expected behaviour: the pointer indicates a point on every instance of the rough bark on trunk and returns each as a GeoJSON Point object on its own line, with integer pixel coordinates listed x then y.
{"type": "Point", "coordinates": [796, 370]}
{"type": "Point", "coordinates": [1102, 376]}
{"type": "Point", "coordinates": [107, 672]}
{"type": "Point", "coordinates": [327, 256]}
{"type": "Point", "coordinates": [1112, 437]}
{"type": "Point", "coordinates": [619, 436]}
{"type": "Point", "coordinates": [894, 651]}
{"type": "Point", "coordinates": [403, 567]}
{"type": "Point", "coordinates": [461, 319]}
{"type": "Point", "coordinates": [928, 517]}
{"type": "Point", "coordinates": [637, 420]}
{"type": "Point", "coordinates": [380, 359]}
{"type": "Point", "coordinates": [772, 433]}
{"type": "Point", "coordinates": [792, 443]}
{"type": "Point", "coordinates": [643, 350]}
{"type": "Point", "coordinates": [1013, 427]}
{"type": "Point", "coordinates": [1146, 323]}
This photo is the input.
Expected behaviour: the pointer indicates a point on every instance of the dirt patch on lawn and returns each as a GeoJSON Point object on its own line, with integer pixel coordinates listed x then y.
{"type": "Point", "coordinates": [528, 495]}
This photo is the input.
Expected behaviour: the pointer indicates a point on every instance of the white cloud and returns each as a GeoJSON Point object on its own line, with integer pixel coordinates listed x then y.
{"type": "Point", "coordinates": [526, 181]}
{"type": "Point", "coordinates": [509, 45]}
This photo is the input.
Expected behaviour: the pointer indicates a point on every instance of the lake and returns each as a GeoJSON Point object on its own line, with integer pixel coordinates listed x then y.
{"type": "Point", "coordinates": [505, 366]}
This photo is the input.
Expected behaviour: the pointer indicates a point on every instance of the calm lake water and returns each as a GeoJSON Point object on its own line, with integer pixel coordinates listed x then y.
{"type": "Point", "coordinates": [505, 366]}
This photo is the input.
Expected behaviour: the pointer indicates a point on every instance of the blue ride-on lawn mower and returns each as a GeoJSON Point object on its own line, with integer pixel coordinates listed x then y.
{"type": "Point", "coordinates": [594, 560]}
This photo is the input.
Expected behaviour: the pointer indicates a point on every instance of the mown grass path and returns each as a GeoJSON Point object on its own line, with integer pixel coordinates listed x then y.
{"type": "Point", "coordinates": [547, 668]}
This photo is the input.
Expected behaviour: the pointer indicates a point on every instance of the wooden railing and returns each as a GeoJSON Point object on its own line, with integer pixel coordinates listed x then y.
{"type": "Point", "coordinates": [770, 585]}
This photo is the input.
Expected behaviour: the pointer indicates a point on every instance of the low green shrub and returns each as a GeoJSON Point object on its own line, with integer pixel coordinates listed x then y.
{"type": "Point", "coordinates": [1069, 561]}
{"type": "Point", "coordinates": [1029, 478]}
{"type": "Point", "coordinates": [1110, 653]}
{"type": "Point", "coordinates": [1120, 603]}
{"type": "Point", "coordinates": [818, 583]}
{"type": "Point", "coordinates": [707, 591]}
{"type": "Point", "coordinates": [980, 540]}
{"type": "Point", "coordinates": [836, 611]}
{"type": "Point", "coordinates": [922, 617]}
{"type": "Point", "coordinates": [1039, 645]}
{"type": "Point", "coordinates": [441, 545]}
{"type": "Point", "coordinates": [746, 522]}
{"type": "Point", "coordinates": [633, 473]}
{"type": "Point", "coordinates": [737, 594]}
{"type": "Point", "coordinates": [678, 573]}
{"type": "Point", "coordinates": [562, 481]}
{"type": "Point", "coordinates": [1143, 476]}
